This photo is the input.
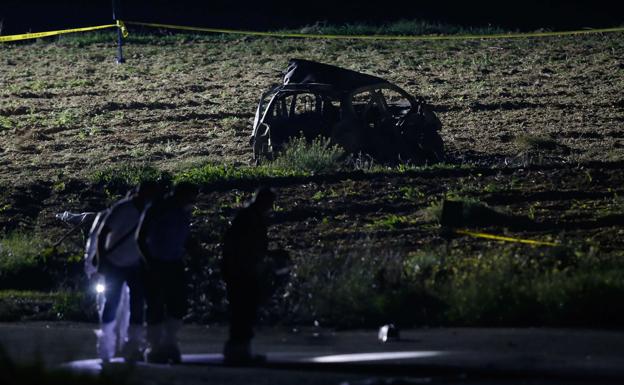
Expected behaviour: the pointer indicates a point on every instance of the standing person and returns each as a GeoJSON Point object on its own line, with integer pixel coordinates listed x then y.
{"type": "Point", "coordinates": [119, 262]}
{"type": "Point", "coordinates": [245, 247]}
{"type": "Point", "coordinates": [162, 236]}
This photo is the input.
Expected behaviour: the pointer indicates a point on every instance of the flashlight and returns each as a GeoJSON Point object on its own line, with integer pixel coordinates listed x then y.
{"type": "Point", "coordinates": [99, 288]}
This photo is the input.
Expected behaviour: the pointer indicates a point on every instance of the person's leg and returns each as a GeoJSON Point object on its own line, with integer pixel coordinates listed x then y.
{"type": "Point", "coordinates": [106, 336]}
{"type": "Point", "coordinates": [135, 345]}
{"type": "Point", "coordinates": [136, 284]}
{"type": "Point", "coordinates": [175, 303]}
{"type": "Point", "coordinates": [243, 307]}
{"type": "Point", "coordinates": [113, 281]}
{"type": "Point", "coordinates": [158, 278]}
{"type": "Point", "coordinates": [155, 312]}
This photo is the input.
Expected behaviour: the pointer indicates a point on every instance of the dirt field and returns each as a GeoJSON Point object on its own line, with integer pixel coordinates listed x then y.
{"type": "Point", "coordinates": [532, 126]}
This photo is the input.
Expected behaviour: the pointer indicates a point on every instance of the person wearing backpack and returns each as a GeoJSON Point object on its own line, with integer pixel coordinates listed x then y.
{"type": "Point", "coordinates": [163, 236]}
{"type": "Point", "coordinates": [119, 261]}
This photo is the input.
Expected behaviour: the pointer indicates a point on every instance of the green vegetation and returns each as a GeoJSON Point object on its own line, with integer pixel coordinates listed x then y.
{"type": "Point", "coordinates": [536, 143]}
{"type": "Point", "coordinates": [127, 175]}
{"type": "Point", "coordinates": [411, 193]}
{"type": "Point", "coordinates": [391, 222]}
{"type": "Point", "coordinates": [401, 27]}
{"type": "Point", "coordinates": [547, 287]}
{"type": "Point", "coordinates": [20, 254]}
{"type": "Point", "coordinates": [499, 287]}
{"type": "Point", "coordinates": [317, 157]}
{"type": "Point", "coordinates": [215, 173]}
{"type": "Point", "coordinates": [470, 206]}
{"type": "Point", "coordinates": [351, 288]}
{"type": "Point", "coordinates": [6, 123]}
{"type": "Point", "coordinates": [33, 277]}
{"type": "Point", "coordinates": [77, 137]}
{"type": "Point", "coordinates": [298, 158]}
{"type": "Point", "coordinates": [20, 305]}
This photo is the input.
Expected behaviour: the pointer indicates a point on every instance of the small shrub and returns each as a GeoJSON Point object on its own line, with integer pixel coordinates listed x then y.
{"type": "Point", "coordinates": [317, 157]}
{"type": "Point", "coordinates": [6, 123]}
{"type": "Point", "coordinates": [66, 118]}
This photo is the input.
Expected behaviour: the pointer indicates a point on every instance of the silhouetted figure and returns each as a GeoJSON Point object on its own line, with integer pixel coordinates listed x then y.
{"type": "Point", "coordinates": [163, 233]}
{"type": "Point", "coordinates": [119, 260]}
{"type": "Point", "coordinates": [245, 247]}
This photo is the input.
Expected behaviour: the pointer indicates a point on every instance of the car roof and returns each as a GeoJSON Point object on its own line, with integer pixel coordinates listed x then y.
{"type": "Point", "coordinates": [335, 79]}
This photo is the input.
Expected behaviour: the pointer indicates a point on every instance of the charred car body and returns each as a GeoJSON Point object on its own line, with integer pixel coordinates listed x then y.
{"type": "Point", "coordinates": [361, 113]}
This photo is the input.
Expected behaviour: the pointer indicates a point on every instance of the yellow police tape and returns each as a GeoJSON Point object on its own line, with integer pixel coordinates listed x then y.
{"type": "Point", "coordinates": [377, 37]}
{"type": "Point", "coordinates": [120, 24]}
{"type": "Point", "coordinates": [36, 35]}
{"type": "Point", "coordinates": [505, 239]}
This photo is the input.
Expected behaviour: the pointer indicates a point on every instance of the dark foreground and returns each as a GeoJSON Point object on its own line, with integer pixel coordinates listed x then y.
{"type": "Point", "coordinates": [318, 356]}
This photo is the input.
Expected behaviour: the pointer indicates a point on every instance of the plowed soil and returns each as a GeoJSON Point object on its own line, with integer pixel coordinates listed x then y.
{"type": "Point", "coordinates": [533, 127]}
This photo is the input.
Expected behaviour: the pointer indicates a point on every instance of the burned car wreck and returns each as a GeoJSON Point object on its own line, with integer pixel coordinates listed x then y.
{"type": "Point", "coordinates": [364, 114]}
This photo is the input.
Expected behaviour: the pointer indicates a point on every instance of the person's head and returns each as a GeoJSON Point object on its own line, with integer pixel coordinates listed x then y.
{"type": "Point", "coordinates": [185, 193]}
{"type": "Point", "coordinates": [264, 198]}
{"type": "Point", "coordinates": [148, 191]}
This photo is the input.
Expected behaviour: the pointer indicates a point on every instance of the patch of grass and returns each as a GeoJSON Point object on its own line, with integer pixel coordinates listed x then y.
{"type": "Point", "coordinates": [503, 286]}
{"type": "Point", "coordinates": [298, 158]}
{"type": "Point", "coordinates": [434, 211]}
{"type": "Point", "coordinates": [359, 288]}
{"type": "Point", "coordinates": [528, 142]}
{"type": "Point", "coordinates": [127, 175]}
{"type": "Point", "coordinates": [411, 193]}
{"type": "Point", "coordinates": [19, 305]}
{"type": "Point", "coordinates": [80, 83]}
{"type": "Point", "coordinates": [330, 193]}
{"type": "Point", "coordinates": [66, 118]}
{"type": "Point", "coordinates": [86, 132]}
{"type": "Point", "coordinates": [215, 173]}
{"type": "Point", "coordinates": [20, 252]}
{"type": "Point", "coordinates": [531, 287]}
{"type": "Point", "coordinates": [401, 27]}
{"type": "Point", "coordinates": [391, 222]}
{"type": "Point", "coordinates": [87, 38]}
{"type": "Point", "coordinates": [29, 262]}
{"type": "Point", "coordinates": [6, 123]}
{"type": "Point", "coordinates": [316, 157]}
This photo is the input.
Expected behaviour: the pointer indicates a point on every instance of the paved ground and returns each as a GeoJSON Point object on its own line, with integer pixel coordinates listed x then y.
{"type": "Point", "coordinates": [316, 356]}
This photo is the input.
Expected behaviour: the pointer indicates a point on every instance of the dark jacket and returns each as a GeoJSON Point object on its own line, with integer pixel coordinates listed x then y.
{"type": "Point", "coordinates": [164, 229]}
{"type": "Point", "coordinates": [245, 245]}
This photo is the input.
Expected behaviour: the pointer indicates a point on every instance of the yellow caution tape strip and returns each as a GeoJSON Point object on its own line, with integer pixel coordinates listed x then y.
{"type": "Point", "coordinates": [122, 26]}
{"type": "Point", "coordinates": [124, 31]}
{"type": "Point", "coordinates": [36, 35]}
{"type": "Point", "coordinates": [505, 239]}
{"type": "Point", "coordinates": [377, 37]}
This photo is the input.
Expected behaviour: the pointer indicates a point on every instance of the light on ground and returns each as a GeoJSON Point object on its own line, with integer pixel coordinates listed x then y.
{"type": "Point", "coordinates": [376, 356]}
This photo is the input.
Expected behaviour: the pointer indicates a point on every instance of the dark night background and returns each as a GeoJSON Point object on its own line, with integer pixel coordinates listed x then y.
{"type": "Point", "coordinates": [39, 15]}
